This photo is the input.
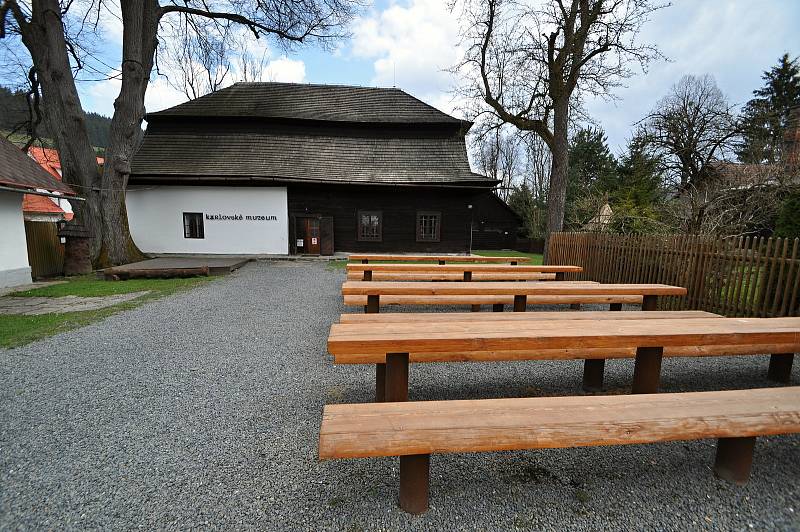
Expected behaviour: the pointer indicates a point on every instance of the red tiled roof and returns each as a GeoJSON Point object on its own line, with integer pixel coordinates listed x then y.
{"type": "Point", "coordinates": [32, 203]}
{"type": "Point", "coordinates": [48, 158]}
{"type": "Point", "coordinates": [18, 171]}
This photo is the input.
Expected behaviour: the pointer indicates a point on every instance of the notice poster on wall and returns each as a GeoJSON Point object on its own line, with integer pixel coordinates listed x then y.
{"type": "Point", "coordinates": [299, 242]}
{"type": "Point", "coordinates": [313, 241]}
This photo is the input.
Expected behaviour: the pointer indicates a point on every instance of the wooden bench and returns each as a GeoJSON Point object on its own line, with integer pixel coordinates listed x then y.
{"type": "Point", "coordinates": [392, 346]}
{"type": "Point", "coordinates": [365, 258]}
{"type": "Point", "coordinates": [594, 358]}
{"type": "Point", "coordinates": [457, 272]}
{"type": "Point", "coordinates": [449, 276]}
{"type": "Point", "coordinates": [425, 293]}
{"type": "Point", "coordinates": [415, 430]}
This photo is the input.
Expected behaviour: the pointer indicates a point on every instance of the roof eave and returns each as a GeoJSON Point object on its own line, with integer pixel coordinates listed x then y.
{"type": "Point", "coordinates": [150, 179]}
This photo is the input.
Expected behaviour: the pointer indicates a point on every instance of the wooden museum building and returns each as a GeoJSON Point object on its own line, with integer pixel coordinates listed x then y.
{"type": "Point", "coordinates": [277, 168]}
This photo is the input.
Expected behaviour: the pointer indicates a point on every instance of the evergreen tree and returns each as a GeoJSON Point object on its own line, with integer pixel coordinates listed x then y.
{"type": "Point", "coordinates": [766, 116]}
{"type": "Point", "coordinates": [636, 195]}
{"type": "Point", "coordinates": [592, 175]}
{"type": "Point", "coordinates": [531, 209]}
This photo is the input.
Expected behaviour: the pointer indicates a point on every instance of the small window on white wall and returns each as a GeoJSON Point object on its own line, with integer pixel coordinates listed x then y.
{"type": "Point", "coordinates": [193, 225]}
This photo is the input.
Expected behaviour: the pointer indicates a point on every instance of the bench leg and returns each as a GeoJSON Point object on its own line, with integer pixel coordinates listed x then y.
{"type": "Point", "coordinates": [380, 383]}
{"type": "Point", "coordinates": [497, 307]}
{"type": "Point", "coordinates": [734, 459]}
{"type": "Point", "coordinates": [441, 263]}
{"type": "Point", "coordinates": [559, 276]}
{"type": "Point", "coordinates": [780, 367]}
{"type": "Point", "coordinates": [475, 308]}
{"type": "Point", "coordinates": [367, 275]}
{"type": "Point", "coordinates": [647, 371]}
{"type": "Point", "coordinates": [649, 302]}
{"type": "Point", "coordinates": [593, 369]}
{"type": "Point", "coordinates": [364, 261]}
{"type": "Point", "coordinates": [467, 276]}
{"type": "Point", "coordinates": [520, 302]}
{"type": "Point", "coordinates": [414, 476]}
{"type": "Point", "coordinates": [575, 306]}
{"type": "Point", "coordinates": [615, 306]}
{"type": "Point", "coordinates": [396, 377]}
{"type": "Point", "coordinates": [373, 305]}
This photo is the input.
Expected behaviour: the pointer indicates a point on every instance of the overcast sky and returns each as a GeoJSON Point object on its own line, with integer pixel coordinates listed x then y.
{"type": "Point", "coordinates": [410, 43]}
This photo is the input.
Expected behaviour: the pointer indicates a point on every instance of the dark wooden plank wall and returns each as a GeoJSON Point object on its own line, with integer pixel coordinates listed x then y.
{"type": "Point", "coordinates": [495, 225]}
{"type": "Point", "coordinates": [399, 206]}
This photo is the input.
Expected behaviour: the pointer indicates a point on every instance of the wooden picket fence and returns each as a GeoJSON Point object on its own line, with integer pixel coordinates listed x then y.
{"type": "Point", "coordinates": [736, 276]}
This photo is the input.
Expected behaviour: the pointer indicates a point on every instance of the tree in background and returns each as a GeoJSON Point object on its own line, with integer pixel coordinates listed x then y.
{"type": "Point", "coordinates": [765, 118]}
{"type": "Point", "coordinates": [50, 45]}
{"type": "Point", "coordinates": [592, 173]}
{"type": "Point", "coordinates": [499, 155]}
{"type": "Point", "coordinates": [529, 61]}
{"type": "Point", "coordinates": [690, 130]}
{"type": "Point", "coordinates": [788, 223]}
{"type": "Point", "coordinates": [637, 195]}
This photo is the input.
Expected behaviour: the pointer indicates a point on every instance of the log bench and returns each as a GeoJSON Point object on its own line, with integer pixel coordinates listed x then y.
{"type": "Point", "coordinates": [433, 293]}
{"type": "Point", "coordinates": [365, 258]}
{"type": "Point", "coordinates": [391, 346]}
{"type": "Point", "coordinates": [458, 272]}
{"type": "Point", "coordinates": [415, 430]}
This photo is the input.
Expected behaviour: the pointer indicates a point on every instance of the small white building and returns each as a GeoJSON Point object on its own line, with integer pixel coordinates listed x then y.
{"type": "Point", "coordinates": [19, 175]}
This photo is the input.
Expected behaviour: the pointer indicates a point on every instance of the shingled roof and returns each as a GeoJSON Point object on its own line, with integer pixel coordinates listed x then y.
{"type": "Point", "coordinates": [19, 171]}
{"type": "Point", "coordinates": [334, 103]}
{"type": "Point", "coordinates": [216, 139]}
{"type": "Point", "coordinates": [304, 158]}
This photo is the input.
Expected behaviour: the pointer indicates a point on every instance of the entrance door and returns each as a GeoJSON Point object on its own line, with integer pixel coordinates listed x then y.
{"type": "Point", "coordinates": [311, 243]}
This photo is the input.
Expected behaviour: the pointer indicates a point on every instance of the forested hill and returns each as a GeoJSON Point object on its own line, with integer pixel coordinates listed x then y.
{"type": "Point", "coordinates": [14, 111]}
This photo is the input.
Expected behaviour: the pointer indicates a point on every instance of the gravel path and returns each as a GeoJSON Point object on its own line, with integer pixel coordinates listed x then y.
{"type": "Point", "coordinates": [202, 410]}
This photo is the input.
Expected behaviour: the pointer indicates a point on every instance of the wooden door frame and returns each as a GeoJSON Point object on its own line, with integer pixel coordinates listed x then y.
{"type": "Point", "coordinates": [305, 216]}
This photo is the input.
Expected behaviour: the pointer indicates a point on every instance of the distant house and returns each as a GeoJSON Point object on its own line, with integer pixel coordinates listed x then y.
{"type": "Point", "coordinates": [276, 168]}
{"type": "Point", "coordinates": [39, 208]}
{"type": "Point", "coordinates": [601, 220]}
{"type": "Point", "coordinates": [19, 175]}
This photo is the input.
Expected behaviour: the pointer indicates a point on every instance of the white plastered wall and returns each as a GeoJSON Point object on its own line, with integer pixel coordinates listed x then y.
{"type": "Point", "coordinates": [155, 216]}
{"type": "Point", "coordinates": [14, 267]}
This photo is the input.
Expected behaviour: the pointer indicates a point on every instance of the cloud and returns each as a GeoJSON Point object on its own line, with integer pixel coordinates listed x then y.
{"type": "Point", "coordinates": [411, 47]}
{"type": "Point", "coordinates": [99, 96]}
{"type": "Point", "coordinates": [285, 70]}
{"type": "Point", "coordinates": [732, 40]}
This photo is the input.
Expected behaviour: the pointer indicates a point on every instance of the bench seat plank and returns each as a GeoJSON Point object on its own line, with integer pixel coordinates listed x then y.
{"type": "Point", "coordinates": [427, 317]}
{"type": "Point", "coordinates": [360, 343]}
{"type": "Point", "coordinates": [364, 288]}
{"type": "Point", "coordinates": [444, 276]}
{"type": "Point", "coordinates": [412, 428]}
{"type": "Point", "coordinates": [359, 301]}
{"type": "Point", "coordinates": [429, 258]}
{"type": "Point", "coordinates": [461, 268]}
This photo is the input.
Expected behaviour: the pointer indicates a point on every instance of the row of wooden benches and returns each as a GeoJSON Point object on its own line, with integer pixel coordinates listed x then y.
{"type": "Point", "coordinates": [415, 430]}
{"type": "Point", "coordinates": [457, 272]}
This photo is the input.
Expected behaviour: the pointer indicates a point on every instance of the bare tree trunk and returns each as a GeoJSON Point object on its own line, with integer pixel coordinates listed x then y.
{"type": "Point", "coordinates": [43, 36]}
{"type": "Point", "coordinates": [140, 23]}
{"type": "Point", "coordinates": [556, 196]}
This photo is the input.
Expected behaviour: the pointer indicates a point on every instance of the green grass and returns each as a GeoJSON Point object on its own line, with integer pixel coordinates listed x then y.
{"type": "Point", "coordinates": [536, 258]}
{"type": "Point", "coordinates": [91, 286]}
{"type": "Point", "coordinates": [16, 330]}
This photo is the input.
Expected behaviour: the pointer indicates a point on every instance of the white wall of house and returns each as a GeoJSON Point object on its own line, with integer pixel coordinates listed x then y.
{"type": "Point", "coordinates": [14, 267]}
{"type": "Point", "coordinates": [236, 220]}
